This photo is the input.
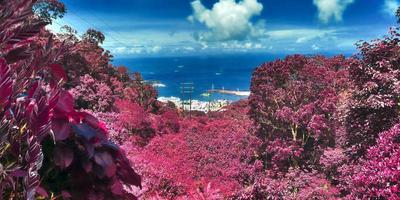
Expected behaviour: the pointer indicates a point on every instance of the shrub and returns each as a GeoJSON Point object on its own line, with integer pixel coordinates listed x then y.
{"type": "Point", "coordinates": [87, 164]}
{"type": "Point", "coordinates": [141, 93]}
{"type": "Point", "coordinates": [92, 94]}
{"type": "Point", "coordinates": [144, 125]}
{"type": "Point", "coordinates": [296, 184]}
{"type": "Point", "coordinates": [220, 153]}
{"type": "Point", "coordinates": [374, 106]}
{"type": "Point", "coordinates": [378, 176]}
{"type": "Point", "coordinates": [293, 101]}
{"type": "Point", "coordinates": [47, 147]}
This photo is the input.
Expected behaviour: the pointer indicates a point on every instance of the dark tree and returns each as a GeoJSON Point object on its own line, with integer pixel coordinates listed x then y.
{"type": "Point", "coordinates": [48, 10]}
{"type": "Point", "coordinates": [94, 36]}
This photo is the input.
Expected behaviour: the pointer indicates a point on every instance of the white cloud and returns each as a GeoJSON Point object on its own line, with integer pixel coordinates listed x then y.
{"type": "Point", "coordinates": [390, 7]}
{"type": "Point", "coordinates": [155, 49]}
{"type": "Point", "coordinates": [301, 35]}
{"type": "Point", "coordinates": [227, 20]}
{"type": "Point", "coordinates": [136, 50]}
{"type": "Point", "coordinates": [331, 9]}
{"type": "Point", "coordinates": [189, 48]}
{"type": "Point", "coordinates": [315, 47]}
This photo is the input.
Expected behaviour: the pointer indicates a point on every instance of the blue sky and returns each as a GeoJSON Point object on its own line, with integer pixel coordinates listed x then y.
{"type": "Point", "coordinates": [195, 27]}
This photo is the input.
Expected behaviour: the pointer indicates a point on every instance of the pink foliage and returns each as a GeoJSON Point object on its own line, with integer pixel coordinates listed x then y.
{"type": "Point", "coordinates": [219, 152]}
{"type": "Point", "coordinates": [373, 107]}
{"type": "Point", "coordinates": [293, 102]}
{"type": "Point", "coordinates": [111, 120]}
{"type": "Point", "coordinates": [378, 176]}
{"type": "Point", "coordinates": [93, 94]}
{"type": "Point", "coordinates": [296, 184]}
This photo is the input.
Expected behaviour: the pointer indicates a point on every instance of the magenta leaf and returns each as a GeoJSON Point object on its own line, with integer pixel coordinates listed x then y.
{"type": "Point", "coordinates": [61, 129]}
{"type": "Point", "coordinates": [18, 173]}
{"type": "Point", "coordinates": [63, 157]}
{"type": "Point", "coordinates": [105, 160]}
{"type": "Point", "coordinates": [65, 103]}
{"type": "Point", "coordinates": [65, 194]}
{"type": "Point", "coordinates": [58, 72]}
{"type": "Point", "coordinates": [42, 192]}
{"type": "Point", "coordinates": [117, 188]}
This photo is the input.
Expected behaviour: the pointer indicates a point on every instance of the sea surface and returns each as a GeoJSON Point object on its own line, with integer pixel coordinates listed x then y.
{"type": "Point", "coordinates": [229, 72]}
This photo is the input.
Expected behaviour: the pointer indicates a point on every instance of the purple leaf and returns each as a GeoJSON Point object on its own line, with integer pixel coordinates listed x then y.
{"type": "Point", "coordinates": [91, 120]}
{"type": "Point", "coordinates": [105, 160]}
{"type": "Point", "coordinates": [87, 166]}
{"type": "Point", "coordinates": [126, 173]}
{"type": "Point", "coordinates": [117, 188]}
{"type": "Point", "coordinates": [85, 131]}
{"type": "Point", "coordinates": [42, 192]}
{"type": "Point", "coordinates": [65, 103]}
{"type": "Point", "coordinates": [18, 173]}
{"type": "Point", "coordinates": [65, 194]}
{"type": "Point", "coordinates": [61, 129]}
{"type": "Point", "coordinates": [63, 157]}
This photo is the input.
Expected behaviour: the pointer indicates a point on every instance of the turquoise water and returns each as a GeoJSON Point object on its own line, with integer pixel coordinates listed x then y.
{"type": "Point", "coordinates": [231, 72]}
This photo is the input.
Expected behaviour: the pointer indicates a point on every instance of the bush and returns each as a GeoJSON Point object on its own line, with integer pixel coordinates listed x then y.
{"type": "Point", "coordinates": [46, 147]}
{"type": "Point", "coordinates": [220, 153]}
{"type": "Point", "coordinates": [92, 94]}
{"type": "Point", "coordinates": [378, 176]}
{"type": "Point", "coordinates": [293, 101]}
{"type": "Point", "coordinates": [296, 184]}
{"type": "Point", "coordinates": [375, 100]}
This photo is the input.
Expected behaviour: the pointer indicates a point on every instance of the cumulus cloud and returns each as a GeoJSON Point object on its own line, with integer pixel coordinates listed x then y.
{"type": "Point", "coordinates": [331, 9]}
{"type": "Point", "coordinates": [227, 20]}
{"type": "Point", "coordinates": [390, 7]}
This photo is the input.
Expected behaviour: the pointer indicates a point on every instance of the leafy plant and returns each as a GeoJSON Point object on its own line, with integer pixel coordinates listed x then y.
{"type": "Point", "coordinates": [293, 101]}
{"type": "Point", "coordinates": [374, 106]}
{"type": "Point", "coordinates": [45, 145]}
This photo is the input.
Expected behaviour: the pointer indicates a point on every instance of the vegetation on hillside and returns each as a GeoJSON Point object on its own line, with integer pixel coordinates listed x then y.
{"type": "Point", "coordinates": [73, 126]}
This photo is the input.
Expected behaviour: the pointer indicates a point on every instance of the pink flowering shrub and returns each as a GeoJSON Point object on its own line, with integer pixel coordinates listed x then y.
{"type": "Point", "coordinates": [378, 176]}
{"type": "Point", "coordinates": [143, 125]}
{"type": "Point", "coordinates": [111, 120]}
{"type": "Point", "coordinates": [220, 153]}
{"type": "Point", "coordinates": [293, 102]}
{"type": "Point", "coordinates": [295, 184]}
{"type": "Point", "coordinates": [373, 107]}
{"type": "Point", "coordinates": [92, 94]}
{"type": "Point", "coordinates": [141, 93]}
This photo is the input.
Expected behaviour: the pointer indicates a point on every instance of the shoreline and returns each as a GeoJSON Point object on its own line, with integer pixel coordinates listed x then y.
{"type": "Point", "coordinates": [197, 105]}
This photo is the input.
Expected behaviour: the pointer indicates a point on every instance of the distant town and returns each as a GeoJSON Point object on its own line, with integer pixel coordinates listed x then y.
{"type": "Point", "coordinates": [197, 105]}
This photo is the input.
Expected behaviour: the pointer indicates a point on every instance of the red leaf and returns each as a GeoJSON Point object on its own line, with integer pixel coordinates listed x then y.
{"type": "Point", "coordinates": [5, 83]}
{"type": "Point", "coordinates": [63, 157]}
{"type": "Point", "coordinates": [42, 192]}
{"type": "Point", "coordinates": [65, 194]}
{"type": "Point", "coordinates": [58, 71]}
{"type": "Point", "coordinates": [18, 173]}
{"type": "Point", "coordinates": [91, 120]}
{"type": "Point", "coordinates": [105, 160]}
{"type": "Point", "coordinates": [117, 188]}
{"type": "Point", "coordinates": [61, 129]}
{"type": "Point", "coordinates": [65, 103]}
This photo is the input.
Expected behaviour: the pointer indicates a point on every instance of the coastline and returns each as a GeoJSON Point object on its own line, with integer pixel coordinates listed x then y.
{"type": "Point", "coordinates": [197, 105]}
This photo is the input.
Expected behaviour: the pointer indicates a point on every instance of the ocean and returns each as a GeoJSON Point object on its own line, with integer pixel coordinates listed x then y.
{"type": "Point", "coordinates": [229, 72]}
